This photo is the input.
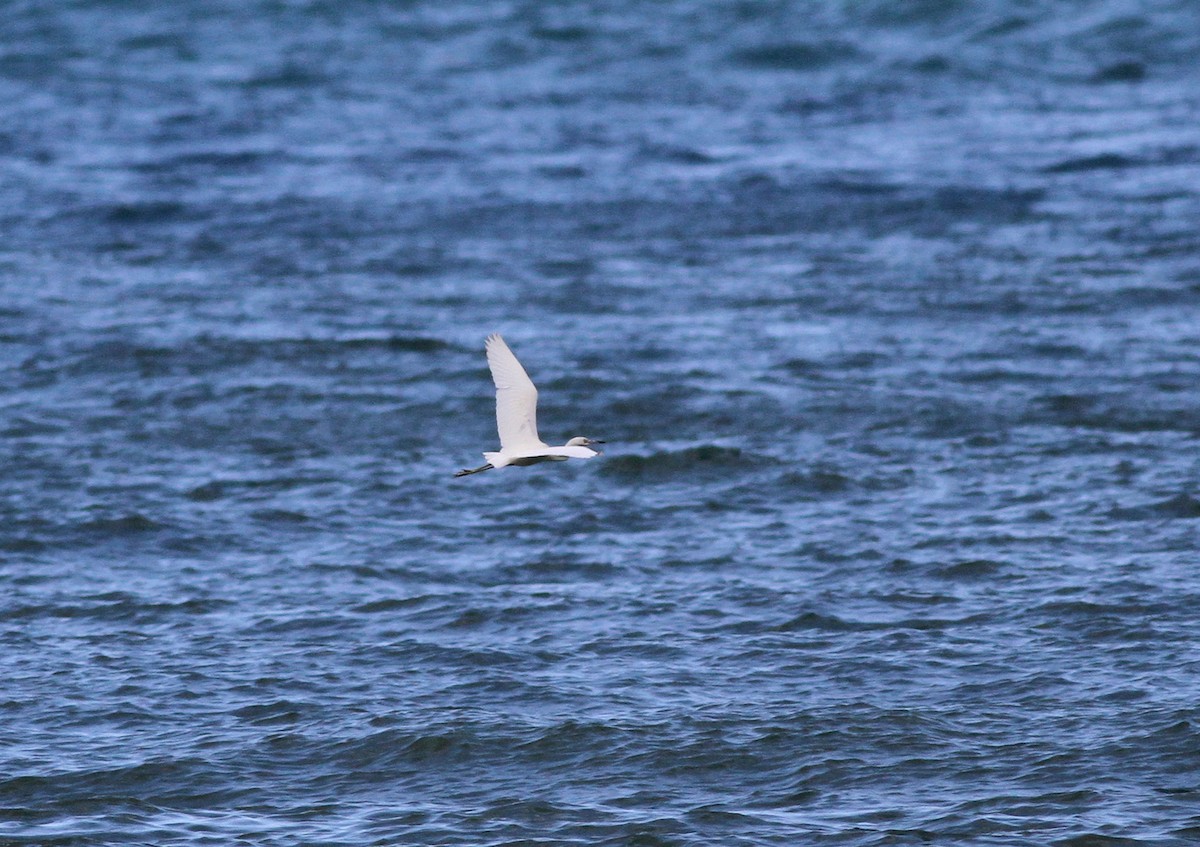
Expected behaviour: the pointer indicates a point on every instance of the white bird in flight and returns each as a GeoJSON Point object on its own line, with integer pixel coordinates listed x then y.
{"type": "Point", "coordinates": [516, 417]}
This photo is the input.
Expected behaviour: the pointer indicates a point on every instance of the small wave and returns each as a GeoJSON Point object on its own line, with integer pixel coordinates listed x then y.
{"type": "Point", "coordinates": [393, 747]}
{"type": "Point", "coordinates": [550, 569]}
{"type": "Point", "coordinates": [118, 606]}
{"type": "Point", "coordinates": [148, 779]}
{"type": "Point", "coordinates": [390, 604]}
{"type": "Point", "coordinates": [818, 621]}
{"type": "Point", "coordinates": [971, 569]}
{"type": "Point", "coordinates": [274, 713]}
{"type": "Point", "coordinates": [207, 492]}
{"type": "Point", "coordinates": [575, 738]}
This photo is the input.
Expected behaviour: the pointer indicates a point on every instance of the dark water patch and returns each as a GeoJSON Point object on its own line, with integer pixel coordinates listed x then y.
{"type": "Point", "coordinates": [512, 811]}
{"type": "Point", "coordinates": [434, 155]}
{"type": "Point", "coordinates": [827, 555]}
{"type": "Point", "coordinates": [752, 204]}
{"type": "Point", "coordinates": [563, 172]}
{"type": "Point", "coordinates": [275, 713]}
{"type": "Point", "coordinates": [207, 353]}
{"type": "Point", "coordinates": [393, 604]}
{"type": "Point", "coordinates": [315, 625]}
{"type": "Point", "coordinates": [713, 815]}
{"type": "Point", "coordinates": [280, 516]}
{"type": "Point", "coordinates": [131, 524]}
{"type": "Point", "coordinates": [160, 212]}
{"type": "Point", "coordinates": [1146, 296]}
{"type": "Point", "coordinates": [212, 162]}
{"type": "Point", "coordinates": [669, 465]}
{"type": "Point", "coordinates": [16, 543]}
{"type": "Point", "coordinates": [1128, 71]}
{"type": "Point", "coordinates": [516, 612]}
{"type": "Point", "coordinates": [999, 375]}
{"type": "Point", "coordinates": [862, 187]}
{"type": "Point", "coordinates": [1120, 621]}
{"type": "Point", "coordinates": [935, 64]}
{"type": "Point", "coordinates": [100, 788]}
{"type": "Point", "coordinates": [919, 13]}
{"type": "Point", "coordinates": [119, 607]}
{"type": "Point", "coordinates": [396, 748]}
{"type": "Point", "coordinates": [908, 598]}
{"type": "Point", "coordinates": [577, 740]}
{"type": "Point", "coordinates": [229, 487]}
{"type": "Point", "coordinates": [375, 571]}
{"type": "Point", "coordinates": [817, 481]}
{"type": "Point", "coordinates": [676, 154]}
{"type": "Point", "coordinates": [566, 268]}
{"type": "Point", "coordinates": [407, 344]}
{"type": "Point", "coordinates": [1126, 695]}
{"type": "Point", "coordinates": [286, 75]}
{"type": "Point", "coordinates": [1115, 413]}
{"type": "Point", "coordinates": [1181, 506]}
{"type": "Point", "coordinates": [207, 492]}
{"type": "Point", "coordinates": [971, 569]}
{"type": "Point", "coordinates": [1007, 26]}
{"type": "Point", "coordinates": [712, 563]}
{"type": "Point", "coordinates": [564, 34]}
{"type": "Point", "coordinates": [1095, 839]}
{"type": "Point", "coordinates": [551, 569]}
{"type": "Point", "coordinates": [796, 56]}
{"type": "Point", "coordinates": [943, 418]}
{"type": "Point", "coordinates": [805, 369]}
{"type": "Point", "coordinates": [861, 360]}
{"type": "Point", "coordinates": [236, 351]}
{"type": "Point", "coordinates": [820, 622]}
{"type": "Point", "coordinates": [1057, 351]}
{"type": "Point", "coordinates": [172, 43]}
{"type": "Point", "coordinates": [23, 427]}
{"type": "Point", "coordinates": [1102, 161]}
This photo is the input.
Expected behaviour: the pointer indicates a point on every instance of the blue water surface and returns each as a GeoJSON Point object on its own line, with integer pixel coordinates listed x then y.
{"type": "Point", "coordinates": [889, 313]}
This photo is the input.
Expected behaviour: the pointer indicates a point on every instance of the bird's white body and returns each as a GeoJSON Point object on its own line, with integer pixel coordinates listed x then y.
{"type": "Point", "coordinates": [516, 417]}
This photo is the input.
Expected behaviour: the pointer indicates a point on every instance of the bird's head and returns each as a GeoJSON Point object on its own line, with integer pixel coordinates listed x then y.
{"type": "Point", "coordinates": [580, 441]}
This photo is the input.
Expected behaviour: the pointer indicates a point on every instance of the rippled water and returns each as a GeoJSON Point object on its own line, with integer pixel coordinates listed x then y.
{"type": "Point", "coordinates": [887, 311]}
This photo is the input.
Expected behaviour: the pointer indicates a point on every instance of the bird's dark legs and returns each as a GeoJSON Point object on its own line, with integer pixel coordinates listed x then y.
{"type": "Point", "coordinates": [466, 472]}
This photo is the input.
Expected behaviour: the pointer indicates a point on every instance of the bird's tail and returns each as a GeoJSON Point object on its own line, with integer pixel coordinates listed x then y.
{"type": "Point", "coordinates": [496, 460]}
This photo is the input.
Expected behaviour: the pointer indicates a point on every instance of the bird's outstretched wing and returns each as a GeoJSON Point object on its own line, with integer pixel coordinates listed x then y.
{"type": "Point", "coordinates": [516, 398]}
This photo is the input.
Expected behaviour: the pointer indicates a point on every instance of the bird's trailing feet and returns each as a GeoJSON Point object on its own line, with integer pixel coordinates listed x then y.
{"type": "Point", "coordinates": [469, 471]}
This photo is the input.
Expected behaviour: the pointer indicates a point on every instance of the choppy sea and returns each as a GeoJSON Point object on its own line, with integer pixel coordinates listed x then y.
{"type": "Point", "coordinates": [888, 311]}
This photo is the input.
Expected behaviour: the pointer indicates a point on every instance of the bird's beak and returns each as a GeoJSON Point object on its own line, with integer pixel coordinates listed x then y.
{"type": "Point", "coordinates": [598, 441]}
